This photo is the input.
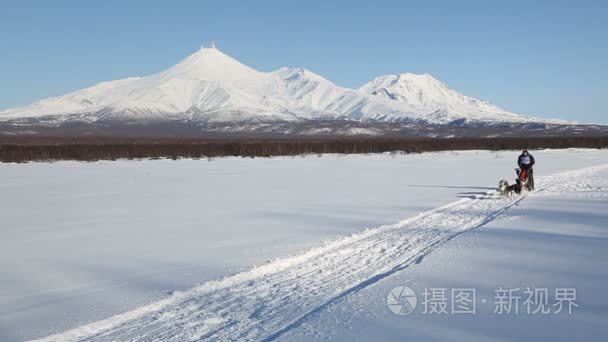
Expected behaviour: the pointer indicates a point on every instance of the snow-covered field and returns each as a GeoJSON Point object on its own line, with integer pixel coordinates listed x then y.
{"type": "Point", "coordinates": [83, 242]}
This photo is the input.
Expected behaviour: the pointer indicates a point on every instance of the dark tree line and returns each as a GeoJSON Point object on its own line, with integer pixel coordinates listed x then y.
{"type": "Point", "coordinates": [90, 149]}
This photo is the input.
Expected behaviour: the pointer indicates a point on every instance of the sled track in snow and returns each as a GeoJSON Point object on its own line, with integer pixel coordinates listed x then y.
{"type": "Point", "coordinates": [268, 301]}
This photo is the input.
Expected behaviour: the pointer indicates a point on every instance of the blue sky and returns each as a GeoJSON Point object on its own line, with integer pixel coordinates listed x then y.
{"type": "Point", "coordinates": [543, 58]}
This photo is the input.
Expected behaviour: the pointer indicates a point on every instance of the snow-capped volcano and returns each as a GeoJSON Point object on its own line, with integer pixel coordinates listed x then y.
{"type": "Point", "coordinates": [429, 95]}
{"type": "Point", "coordinates": [210, 86]}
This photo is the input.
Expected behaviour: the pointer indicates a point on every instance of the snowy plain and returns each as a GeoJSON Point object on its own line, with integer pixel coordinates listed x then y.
{"type": "Point", "coordinates": [554, 239]}
{"type": "Point", "coordinates": [85, 241]}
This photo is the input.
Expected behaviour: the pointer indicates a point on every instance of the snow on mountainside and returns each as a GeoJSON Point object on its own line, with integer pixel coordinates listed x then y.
{"type": "Point", "coordinates": [428, 94]}
{"type": "Point", "coordinates": [210, 86]}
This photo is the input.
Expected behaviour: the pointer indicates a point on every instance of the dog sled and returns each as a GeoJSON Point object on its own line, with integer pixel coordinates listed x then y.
{"type": "Point", "coordinates": [522, 183]}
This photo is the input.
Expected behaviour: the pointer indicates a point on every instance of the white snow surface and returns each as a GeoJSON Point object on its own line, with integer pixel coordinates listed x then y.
{"type": "Point", "coordinates": [99, 246]}
{"type": "Point", "coordinates": [211, 86]}
{"type": "Point", "coordinates": [554, 238]}
{"type": "Point", "coordinates": [429, 95]}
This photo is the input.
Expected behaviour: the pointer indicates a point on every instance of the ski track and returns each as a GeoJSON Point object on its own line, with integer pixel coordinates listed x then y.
{"type": "Point", "coordinates": [268, 301]}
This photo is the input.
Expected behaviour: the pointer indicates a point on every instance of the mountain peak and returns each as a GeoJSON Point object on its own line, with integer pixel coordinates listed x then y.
{"type": "Point", "coordinates": [300, 74]}
{"type": "Point", "coordinates": [210, 64]}
{"type": "Point", "coordinates": [425, 92]}
{"type": "Point", "coordinates": [217, 87]}
{"type": "Point", "coordinates": [417, 77]}
{"type": "Point", "coordinates": [394, 79]}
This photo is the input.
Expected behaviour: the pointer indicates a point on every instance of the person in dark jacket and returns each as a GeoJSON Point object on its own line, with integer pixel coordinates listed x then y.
{"type": "Point", "coordinates": [525, 162]}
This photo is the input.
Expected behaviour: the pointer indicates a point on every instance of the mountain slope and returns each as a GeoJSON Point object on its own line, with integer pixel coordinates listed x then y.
{"type": "Point", "coordinates": [427, 94]}
{"type": "Point", "coordinates": [210, 86]}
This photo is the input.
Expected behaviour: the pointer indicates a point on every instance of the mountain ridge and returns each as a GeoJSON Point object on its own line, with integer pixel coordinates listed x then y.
{"type": "Point", "coordinates": [210, 86]}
